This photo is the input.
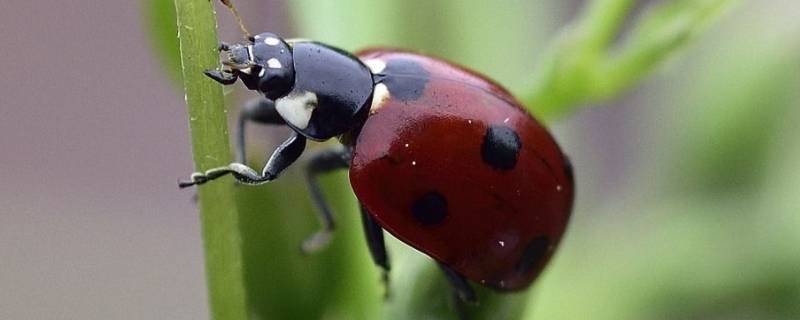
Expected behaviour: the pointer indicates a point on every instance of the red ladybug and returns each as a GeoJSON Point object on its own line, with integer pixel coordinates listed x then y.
{"type": "Point", "coordinates": [441, 157]}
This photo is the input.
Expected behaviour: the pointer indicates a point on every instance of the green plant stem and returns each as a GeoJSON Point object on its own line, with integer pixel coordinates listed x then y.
{"type": "Point", "coordinates": [219, 214]}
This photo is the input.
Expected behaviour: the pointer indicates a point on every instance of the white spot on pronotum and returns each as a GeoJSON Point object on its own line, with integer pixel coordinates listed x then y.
{"type": "Point", "coordinates": [294, 41]}
{"type": "Point", "coordinates": [469, 121]}
{"type": "Point", "coordinates": [413, 163]}
{"type": "Point", "coordinates": [506, 120]}
{"type": "Point", "coordinates": [379, 97]}
{"type": "Point", "coordinates": [558, 187]}
{"type": "Point", "coordinates": [501, 243]}
{"type": "Point", "coordinates": [270, 41]}
{"type": "Point", "coordinates": [406, 145]}
{"type": "Point", "coordinates": [247, 70]}
{"type": "Point", "coordinates": [296, 107]}
{"type": "Point", "coordinates": [375, 65]}
{"type": "Point", "coordinates": [274, 63]}
{"type": "Point", "coordinates": [262, 72]}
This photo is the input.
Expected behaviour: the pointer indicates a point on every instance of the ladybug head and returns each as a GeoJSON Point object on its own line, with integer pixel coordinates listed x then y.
{"type": "Point", "coordinates": [264, 63]}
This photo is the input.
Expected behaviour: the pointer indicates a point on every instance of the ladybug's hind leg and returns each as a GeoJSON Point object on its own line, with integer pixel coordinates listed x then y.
{"type": "Point", "coordinates": [462, 291]}
{"type": "Point", "coordinates": [322, 162]}
{"type": "Point", "coordinates": [377, 246]}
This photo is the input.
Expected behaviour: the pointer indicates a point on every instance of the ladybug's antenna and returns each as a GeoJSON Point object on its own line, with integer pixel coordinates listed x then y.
{"type": "Point", "coordinates": [232, 8]}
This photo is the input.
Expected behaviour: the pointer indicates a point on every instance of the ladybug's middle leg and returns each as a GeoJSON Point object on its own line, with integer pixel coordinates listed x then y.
{"type": "Point", "coordinates": [460, 285]}
{"type": "Point", "coordinates": [258, 110]}
{"type": "Point", "coordinates": [323, 162]}
{"type": "Point", "coordinates": [330, 160]}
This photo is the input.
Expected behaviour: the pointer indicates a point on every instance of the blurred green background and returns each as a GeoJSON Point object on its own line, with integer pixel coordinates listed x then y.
{"type": "Point", "coordinates": [685, 156]}
{"type": "Point", "coordinates": [686, 206]}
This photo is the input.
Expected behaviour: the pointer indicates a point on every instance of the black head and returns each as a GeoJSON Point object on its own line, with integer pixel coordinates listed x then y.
{"type": "Point", "coordinates": [320, 91]}
{"type": "Point", "coordinates": [264, 63]}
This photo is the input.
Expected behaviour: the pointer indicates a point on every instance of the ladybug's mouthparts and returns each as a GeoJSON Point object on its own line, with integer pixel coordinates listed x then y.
{"type": "Point", "coordinates": [236, 56]}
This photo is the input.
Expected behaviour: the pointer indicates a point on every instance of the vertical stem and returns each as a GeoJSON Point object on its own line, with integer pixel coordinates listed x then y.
{"type": "Point", "coordinates": [208, 124]}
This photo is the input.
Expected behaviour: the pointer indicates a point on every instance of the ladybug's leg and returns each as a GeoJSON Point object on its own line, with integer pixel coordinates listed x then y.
{"type": "Point", "coordinates": [284, 155]}
{"type": "Point", "coordinates": [376, 244]}
{"type": "Point", "coordinates": [461, 287]}
{"type": "Point", "coordinates": [322, 162]}
{"type": "Point", "coordinates": [258, 110]}
{"type": "Point", "coordinates": [222, 77]}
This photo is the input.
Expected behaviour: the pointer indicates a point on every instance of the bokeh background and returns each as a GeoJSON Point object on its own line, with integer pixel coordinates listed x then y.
{"type": "Point", "coordinates": [687, 204]}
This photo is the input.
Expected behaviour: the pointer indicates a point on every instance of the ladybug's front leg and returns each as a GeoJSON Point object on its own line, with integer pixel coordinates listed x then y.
{"type": "Point", "coordinates": [282, 158]}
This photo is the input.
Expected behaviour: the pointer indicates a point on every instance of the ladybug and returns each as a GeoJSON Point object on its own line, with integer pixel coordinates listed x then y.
{"type": "Point", "coordinates": [439, 156]}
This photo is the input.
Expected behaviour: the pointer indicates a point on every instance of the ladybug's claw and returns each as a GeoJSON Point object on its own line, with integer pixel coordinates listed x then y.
{"type": "Point", "coordinates": [387, 292]}
{"type": "Point", "coordinates": [316, 242]}
{"type": "Point", "coordinates": [240, 172]}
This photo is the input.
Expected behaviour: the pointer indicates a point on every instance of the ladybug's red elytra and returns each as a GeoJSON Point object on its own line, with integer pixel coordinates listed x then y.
{"type": "Point", "coordinates": [441, 157]}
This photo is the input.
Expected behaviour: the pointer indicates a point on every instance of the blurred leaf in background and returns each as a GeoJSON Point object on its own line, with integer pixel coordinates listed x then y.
{"type": "Point", "coordinates": [707, 226]}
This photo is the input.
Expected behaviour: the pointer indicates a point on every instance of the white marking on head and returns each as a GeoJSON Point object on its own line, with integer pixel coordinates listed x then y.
{"type": "Point", "coordinates": [379, 97]}
{"type": "Point", "coordinates": [270, 41]}
{"type": "Point", "coordinates": [558, 187]}
{"type": "Point", "coordinates": [296, 108]}
{"type": "Point", "coordinates": [406, 145]}
{"type": "Point", "coordinates": [506, 120]}
{"type": "Point", "coordinates": [274, 63]}
{"type": "Point", "coordinates": [413, 163]}
{"type": "Point", "coordinates": [375, 65]}
{"type": "Point", "coordinates": [247, 70]}
{"type": "Point", "coordinates": [502, 243]}
{"type": "Point", "coordinates": [262, 72]}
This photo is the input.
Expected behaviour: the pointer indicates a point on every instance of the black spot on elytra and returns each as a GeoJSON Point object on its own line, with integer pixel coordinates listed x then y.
{"type": "Point", "coordinates": [500, 148]}
{"type": "Point", "coordinates": [405, 79]}
{"type": "Point", "coordinates": [430, 209]}
{"type": "Point", "coordinates": [534, 252]}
